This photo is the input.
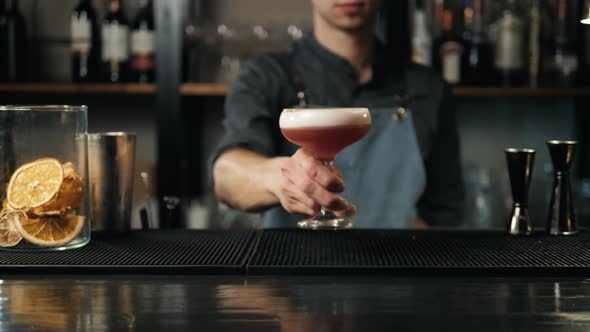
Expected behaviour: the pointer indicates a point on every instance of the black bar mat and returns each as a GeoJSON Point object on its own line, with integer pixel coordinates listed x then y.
{"type": "Point", "coordinates": [140, 252]}
{"type": "Point", "coordinates": [369, 251]}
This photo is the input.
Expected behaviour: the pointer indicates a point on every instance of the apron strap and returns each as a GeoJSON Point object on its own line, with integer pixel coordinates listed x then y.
{"type": "Point", "coordinates": [287, 63]}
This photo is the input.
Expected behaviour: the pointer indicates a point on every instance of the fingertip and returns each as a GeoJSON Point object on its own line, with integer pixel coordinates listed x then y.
{"type": "Point", "coordinates": [337, 187]}
{"type": "Point", "coordinates": [337, 172]}
{"type": "Point", "coordinates": [352, 210]}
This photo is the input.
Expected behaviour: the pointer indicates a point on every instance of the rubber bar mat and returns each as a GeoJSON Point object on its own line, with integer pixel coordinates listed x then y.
{"type": "Point", "coordinates": [369, 251]}
{"type": "Point", "coordinates": [175, 251]}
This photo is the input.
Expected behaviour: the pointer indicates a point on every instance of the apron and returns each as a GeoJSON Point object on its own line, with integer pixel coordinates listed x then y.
{"type": "Point", "coordinates": [383, 172]}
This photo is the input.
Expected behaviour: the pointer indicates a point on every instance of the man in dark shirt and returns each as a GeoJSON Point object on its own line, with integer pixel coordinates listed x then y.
{"type": "Point", "coordinates": [406, 172]}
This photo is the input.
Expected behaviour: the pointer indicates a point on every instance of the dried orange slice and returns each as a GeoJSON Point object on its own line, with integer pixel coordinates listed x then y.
{"type": "Point", "coordinates": [5, 206]}
{"type": "Point", "coordinates": [70, 195]}
{"type": "Point", "coordinates": [27, 183]}
{"type": "Point", "coordinates": [51, 231]}
{"type": "Point", "coordinates": [9, 234]}
{"type": "Point", "coordinates": [35, 184]}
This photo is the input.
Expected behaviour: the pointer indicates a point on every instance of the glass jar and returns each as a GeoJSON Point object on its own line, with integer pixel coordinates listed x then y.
{"type": "Point", "coordinates": [43, 177]}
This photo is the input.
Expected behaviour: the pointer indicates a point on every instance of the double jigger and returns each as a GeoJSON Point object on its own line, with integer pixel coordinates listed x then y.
{"type": "Point", "coordinates": [560, 218]}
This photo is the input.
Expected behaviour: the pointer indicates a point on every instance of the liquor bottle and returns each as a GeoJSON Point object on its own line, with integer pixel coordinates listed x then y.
{"type": "Point", "coordinates": [421, 39]}
{"type": "Point", "coordinates": [13, 43]}
{"type": "Point", "coordinates": [437, 17]}
{"type": "Point", "coordinates": [510, 46]}
{"type": "Point", "coordinates": [477, 62]}
{"type": "Point", "coordinates": [564, 60]}
{"type": "Point", "coordinates": [449, 49]}
{"type": "Point", "coordinates": [143, 48]}
{"type": "Point", "coordinates": [115, 44]}
{"type": "Point", "coordinates": [85, 39]}
{"type": "Point", "coordinates": [534, 49]}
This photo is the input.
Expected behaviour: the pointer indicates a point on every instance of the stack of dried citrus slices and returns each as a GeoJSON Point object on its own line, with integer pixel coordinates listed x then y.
{"type": "Point", "coordinates": [40, 200]}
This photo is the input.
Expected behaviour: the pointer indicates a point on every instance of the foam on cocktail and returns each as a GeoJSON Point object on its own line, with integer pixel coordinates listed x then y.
{"type": "Point", "coordinates": [324, 117]}
{"type": "Point", "coordinates": [325, 131]}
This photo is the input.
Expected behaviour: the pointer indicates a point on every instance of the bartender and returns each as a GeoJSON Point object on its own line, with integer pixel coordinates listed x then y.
{"type": "Point", "coordinates": [405, 173]}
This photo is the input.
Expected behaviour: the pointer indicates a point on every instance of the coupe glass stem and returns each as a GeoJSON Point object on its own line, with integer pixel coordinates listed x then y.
{"type": "Point", "coordinates": [325, 213]}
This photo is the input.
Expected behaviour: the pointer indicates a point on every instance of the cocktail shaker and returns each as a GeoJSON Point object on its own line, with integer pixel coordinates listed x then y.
{"type": "Point", "coordinates": [111, 159]}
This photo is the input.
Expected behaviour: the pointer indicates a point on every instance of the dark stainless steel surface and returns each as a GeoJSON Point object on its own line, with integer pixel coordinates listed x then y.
{"type": "Point", "coordinates": [216, 303]}
{"type": "Point", "coordinates": [561, 219]}
{"type": "Point", "coordinates": [520, 169]}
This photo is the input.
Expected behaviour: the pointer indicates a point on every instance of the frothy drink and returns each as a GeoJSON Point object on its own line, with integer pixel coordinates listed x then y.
{"type": "Point", "coordinates": [325, 132]}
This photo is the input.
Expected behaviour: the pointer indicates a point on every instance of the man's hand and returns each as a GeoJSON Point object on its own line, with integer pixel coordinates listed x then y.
{"type": "Point", "coordinates": [307, 185]}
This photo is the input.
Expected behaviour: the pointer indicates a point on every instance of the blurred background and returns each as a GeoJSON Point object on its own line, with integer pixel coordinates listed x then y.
{"type": "Point", "coordinates": [519, 71]}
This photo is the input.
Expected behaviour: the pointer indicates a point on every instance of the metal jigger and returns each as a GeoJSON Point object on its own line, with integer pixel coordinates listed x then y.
{"type": "Point", "coordinates": [561, 219]}
{"type": "Point", "coordinates": [520, 169]}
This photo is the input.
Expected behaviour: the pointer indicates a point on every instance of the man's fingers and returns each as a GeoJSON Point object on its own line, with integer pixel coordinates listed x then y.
{"type": "Point", "coordinates": [315, 170]}
{"type": "Point", "coordinates": [308, 185]}
{"type": "Point", "coordinates": [349, 211]}
{"type": "Point", "coordinates": [290, 192]}
{"type": "Point", "coordinates": [305, 200]}
{"type": "Point", "coordinates": [311, 189]}
{"type": "Point", "coordinates": [292, 205]}
{"type": "Point", "coordinates": [337, 172]}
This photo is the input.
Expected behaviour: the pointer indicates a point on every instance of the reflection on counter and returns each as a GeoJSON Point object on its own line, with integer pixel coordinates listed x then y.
{"type": "Point", "coordinates": [176, 303]}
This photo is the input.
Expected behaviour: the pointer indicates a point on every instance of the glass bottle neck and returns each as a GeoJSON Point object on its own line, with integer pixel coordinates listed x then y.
{"type": "Point", "coordinates": [447, 25]}
{"type": "Point", "coordinates": [114, 6]}
{"type": "Point", "coordinates": [477, 17]}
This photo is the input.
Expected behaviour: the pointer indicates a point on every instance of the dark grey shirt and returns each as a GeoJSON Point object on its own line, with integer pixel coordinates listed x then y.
{"type": "Point", "coordinates": [265, 86]}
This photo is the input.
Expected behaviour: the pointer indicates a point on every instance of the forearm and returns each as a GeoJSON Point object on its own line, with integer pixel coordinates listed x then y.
{"type": "Point", "coordinates": [246, 180]}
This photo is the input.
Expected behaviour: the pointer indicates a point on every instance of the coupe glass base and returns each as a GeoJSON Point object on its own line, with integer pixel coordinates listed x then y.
{"type": "Point", "coordinates": [321, 223]}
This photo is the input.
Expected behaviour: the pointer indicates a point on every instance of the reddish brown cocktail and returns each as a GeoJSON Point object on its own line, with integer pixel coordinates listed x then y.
{"type": "Point", "coordinates": [325, 132]}
{"type": "Point", "coordinates": [326, 142]}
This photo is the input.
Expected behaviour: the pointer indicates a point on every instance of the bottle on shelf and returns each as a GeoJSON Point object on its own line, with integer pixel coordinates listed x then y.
{"type": "Point", "coordinates": [13, 43]}
{"type": "Point", "coordinates": [421, 38]}
{"type": "Point", "coordinates": [509, 31]}
{"type": "Point", "coordinates": [534, 49]}
{"type": "Point", "coordinates": [143, 45]}
{"type": "Point", "coordinates": [448, 51]}
{"type": "Point", "coordinates": [477, 62]}
{"type": "Point", "coordinates": [437, 17]}
{"type": "Point", "coordinates": [85, 43]}
{"type": "Point", "coordinates": [115, 44]}
{"type": "Point", "coordinates": [563, 61]}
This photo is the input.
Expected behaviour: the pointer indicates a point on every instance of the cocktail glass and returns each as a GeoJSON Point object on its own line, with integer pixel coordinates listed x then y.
{"type": "Point", "coordinates": [325, 132]}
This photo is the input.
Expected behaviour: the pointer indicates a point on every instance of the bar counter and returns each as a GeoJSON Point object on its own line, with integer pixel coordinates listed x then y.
{"type": "Point", "coordinates": [368, 281]}
{"type": "Point", "coordinates": [302, 303]}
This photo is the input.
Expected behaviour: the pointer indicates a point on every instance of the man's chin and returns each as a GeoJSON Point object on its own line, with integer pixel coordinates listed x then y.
{"type": "Point", "coordinates": [352, 27]}
{"type": "Point", "coordinates": [349, 24]}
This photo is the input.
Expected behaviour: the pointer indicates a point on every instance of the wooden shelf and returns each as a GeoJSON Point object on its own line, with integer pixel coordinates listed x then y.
{"type": "Point", "coordinates": [220, 90]}
{"type": "Point", "coordinates": [464, 91]}
{"type": "Point", "coordinates": [204, 89]}
{"type": "Point", "coordinates": [198, 89]}
{"type": "Point", "coordinates": [72, 88]}
{"type": "Point", "coordinates": [190, 89]}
